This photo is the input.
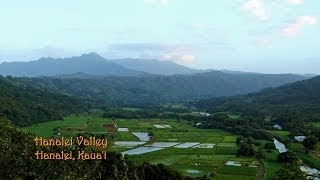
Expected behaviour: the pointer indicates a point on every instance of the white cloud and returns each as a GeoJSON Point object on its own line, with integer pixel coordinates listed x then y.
{"type": "Point", "coordinates": [181, 53]}
{"type": "Point", "coordinates": [294, 27]}
{"type": "Point", "coordinates": [256, 8]}
{"type": "Point", "coordinates": [178, 57]}
{"type": "Point", "coordinates": [295, 2]}
{"type": "Point", "coordinates": [178, 53]}
{"type": "Point", "coordinates": [187, 58]}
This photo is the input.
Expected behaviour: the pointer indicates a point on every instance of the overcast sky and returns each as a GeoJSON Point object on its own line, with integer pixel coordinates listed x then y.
{"type": "Point", "coordinates": [270, 36]}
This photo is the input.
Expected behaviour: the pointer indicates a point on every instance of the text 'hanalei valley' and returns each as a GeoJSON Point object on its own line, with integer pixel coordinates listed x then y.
{"type": "Point", "coordinates": [67, 142]}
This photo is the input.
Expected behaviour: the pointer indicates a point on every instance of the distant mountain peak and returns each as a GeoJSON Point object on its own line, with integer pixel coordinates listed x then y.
{"type": "Point", "coordinates": [90, 63]}
{"type": "Point", "coordinates": [90, 57]}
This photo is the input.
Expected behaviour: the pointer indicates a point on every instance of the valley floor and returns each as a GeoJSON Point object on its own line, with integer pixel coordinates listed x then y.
{"type": "Point", "coordinates": [177, 144]}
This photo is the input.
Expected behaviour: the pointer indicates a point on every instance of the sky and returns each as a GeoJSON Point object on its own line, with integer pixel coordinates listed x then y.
{"type": "Point", "coordinates": [267, 36]}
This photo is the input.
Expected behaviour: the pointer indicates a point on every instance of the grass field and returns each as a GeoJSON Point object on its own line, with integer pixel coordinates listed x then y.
{"type": "Point", "coordinates": [192, 161]}
{"type": "Point", "coordinates": [282, 134]}
{"type": "Point", "coordinates": [271, 164]}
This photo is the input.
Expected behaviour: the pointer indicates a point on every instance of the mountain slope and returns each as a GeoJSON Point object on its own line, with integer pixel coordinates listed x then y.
{"type": "Point", "coordinates": [152, 66]}
{"type": "Point", "coordinates": [295, 101]}
{"type": "Point", "coordinates": [24, 104]}
{"type": "Point", "coordinates": [157, 89]}
{"type": "Point", "coordinates": [87, 63]}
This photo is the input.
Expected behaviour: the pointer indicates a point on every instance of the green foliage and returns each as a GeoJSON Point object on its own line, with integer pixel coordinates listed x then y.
{"type": "Point", "coordinates": [153, 89]}
{"type": "Point", "coordinates": [287, 157]}
{"type": "Point", "coordinates": [269, 145]}
{"type": "Point", "coordinates": [309, 143]}
{"type": "Point", "coordinates": [17, 161]}
{"type": "Point", "coordinates": [246, 150]}
{"type": "Point", "coordinates": [289, 171]}
{"type": "Point", "coordinates": [239, 170]}
{"type": "Point", "coordinates": [289, 105]}
{"type": "Point", "coordinates": [24, 104]}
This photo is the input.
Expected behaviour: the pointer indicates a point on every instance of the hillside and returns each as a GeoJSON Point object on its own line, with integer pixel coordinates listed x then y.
{"type": "Point", "coordinates": [153, 89]}
{"type": "Point", "coordinates": [152, 66]}
{"type": "Point", "coordinates": [87, 63]}
{"type": "Point", "coordinates": [296, 101]}
{"type": "Point", "coordinates": [24, 104]}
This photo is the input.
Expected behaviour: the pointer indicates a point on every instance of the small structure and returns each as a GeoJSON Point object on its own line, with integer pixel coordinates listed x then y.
{"type": "Point", "coordinates": [299, 138]}
{"type": "Point", "coordinates": [198, 124]}
{"type": "Point", "coordinates": [204, 114]}
{"type": "Point", "coordinates": [277, 126]}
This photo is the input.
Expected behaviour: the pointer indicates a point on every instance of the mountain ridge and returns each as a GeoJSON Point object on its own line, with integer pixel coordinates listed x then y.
{"type": "Point", "coordinates": [298, 100]}
{"type": "Point", "coordinates": [90, 63]}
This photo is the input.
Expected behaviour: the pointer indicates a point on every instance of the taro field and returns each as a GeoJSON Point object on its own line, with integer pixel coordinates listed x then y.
{"type": "Point", "coordinates": [183, 147]}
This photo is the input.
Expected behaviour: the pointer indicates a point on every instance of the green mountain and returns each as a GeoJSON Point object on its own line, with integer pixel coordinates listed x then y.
{"type": "Point", "coordinates": [155, 89]}
{"type": "Point", "coordinates": [299, 101]}
{"type": "Point", "coordinates": [23, 103]}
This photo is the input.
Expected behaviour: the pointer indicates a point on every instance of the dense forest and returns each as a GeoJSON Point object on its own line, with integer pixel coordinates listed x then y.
{"type": "Point", "coordinates": [24, 104]}
{"type": "Point", "coordinates": [289, 106]}
{"type": "Point", "coordinates": [155, 89]}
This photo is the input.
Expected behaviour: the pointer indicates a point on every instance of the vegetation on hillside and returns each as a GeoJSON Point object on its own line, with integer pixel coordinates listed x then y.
{"type": "Point", "coordinates": [25, 104]}
{"type": "Point", "coordinates": [152, 90]}
{"type": "Point", "coordinates": [17, 155]}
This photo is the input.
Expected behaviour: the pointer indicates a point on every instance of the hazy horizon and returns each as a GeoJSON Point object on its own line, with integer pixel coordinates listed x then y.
{"type": "Point", "coordinates": [235, 70]}
{"type": "Point", "coordinates": [276, 36]}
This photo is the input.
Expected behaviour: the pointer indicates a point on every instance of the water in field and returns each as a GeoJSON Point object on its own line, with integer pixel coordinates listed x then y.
{"type": "Point", "coordinates": [192, 171]}
{"type": "Point", "coordinates": [163, 144]}
{"type": "Point", "coordinates": [141, 150]}
{"type": "Point", "coordinates": [310, 171]}
{"type": "Point", "coordinates": [162, 126]}
{"type": "Point", "coordinates": [142, 136]}
{"type": "Point", "coordinates": [204, 145]}
{"type": "Point", "coordinates": [187, 144]}
{"type": "Point", "coordinates": [159, 126]}
{"type": "Point", "coordinates": [233, 163]}
{"type": "Point", "coordinates": [128, 143]}
{"type": "Point", "coordinates": [123, 129]}
{"type": "Point", "coordinates": [280, 146]}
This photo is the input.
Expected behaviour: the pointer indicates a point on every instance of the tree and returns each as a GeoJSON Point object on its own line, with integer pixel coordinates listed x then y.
{"type": "Point", "coordinates": [260, 153]}
{"type": "Point", "coordinates": [287, 157]}
{"type": "Point", "coordinates": [289, 171]}
{"type": "Point", "coordinates": [240, 140]}
{"type": "Point", "coordinates": [309, 143]}
{"type": "Point", "coordinates": [246, 150]}
{"type": "Point", "coordinates": [17, 161]}
{"type": "Point", "coordinates": [269, 145]}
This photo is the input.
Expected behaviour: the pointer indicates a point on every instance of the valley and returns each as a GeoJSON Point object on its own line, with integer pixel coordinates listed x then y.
{"type": "Point", "coordinates": [178, 144]}
{"type": "Point", "coordinates": [160, 90]}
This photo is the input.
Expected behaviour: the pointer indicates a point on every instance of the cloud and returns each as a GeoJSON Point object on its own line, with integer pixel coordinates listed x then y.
{"type": "Point", "coordinates": [178, 56]}
{"type": "Point", "coordinates": [256, 8]}
{"type": "Point", "coordinates": [294, 27]}
{"type": "Point", "coordinates": [187, 58]}
{"type": "Point", "coordinates": [295, 2]}
{"type": "Point", "coordinates": [181, 53]}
